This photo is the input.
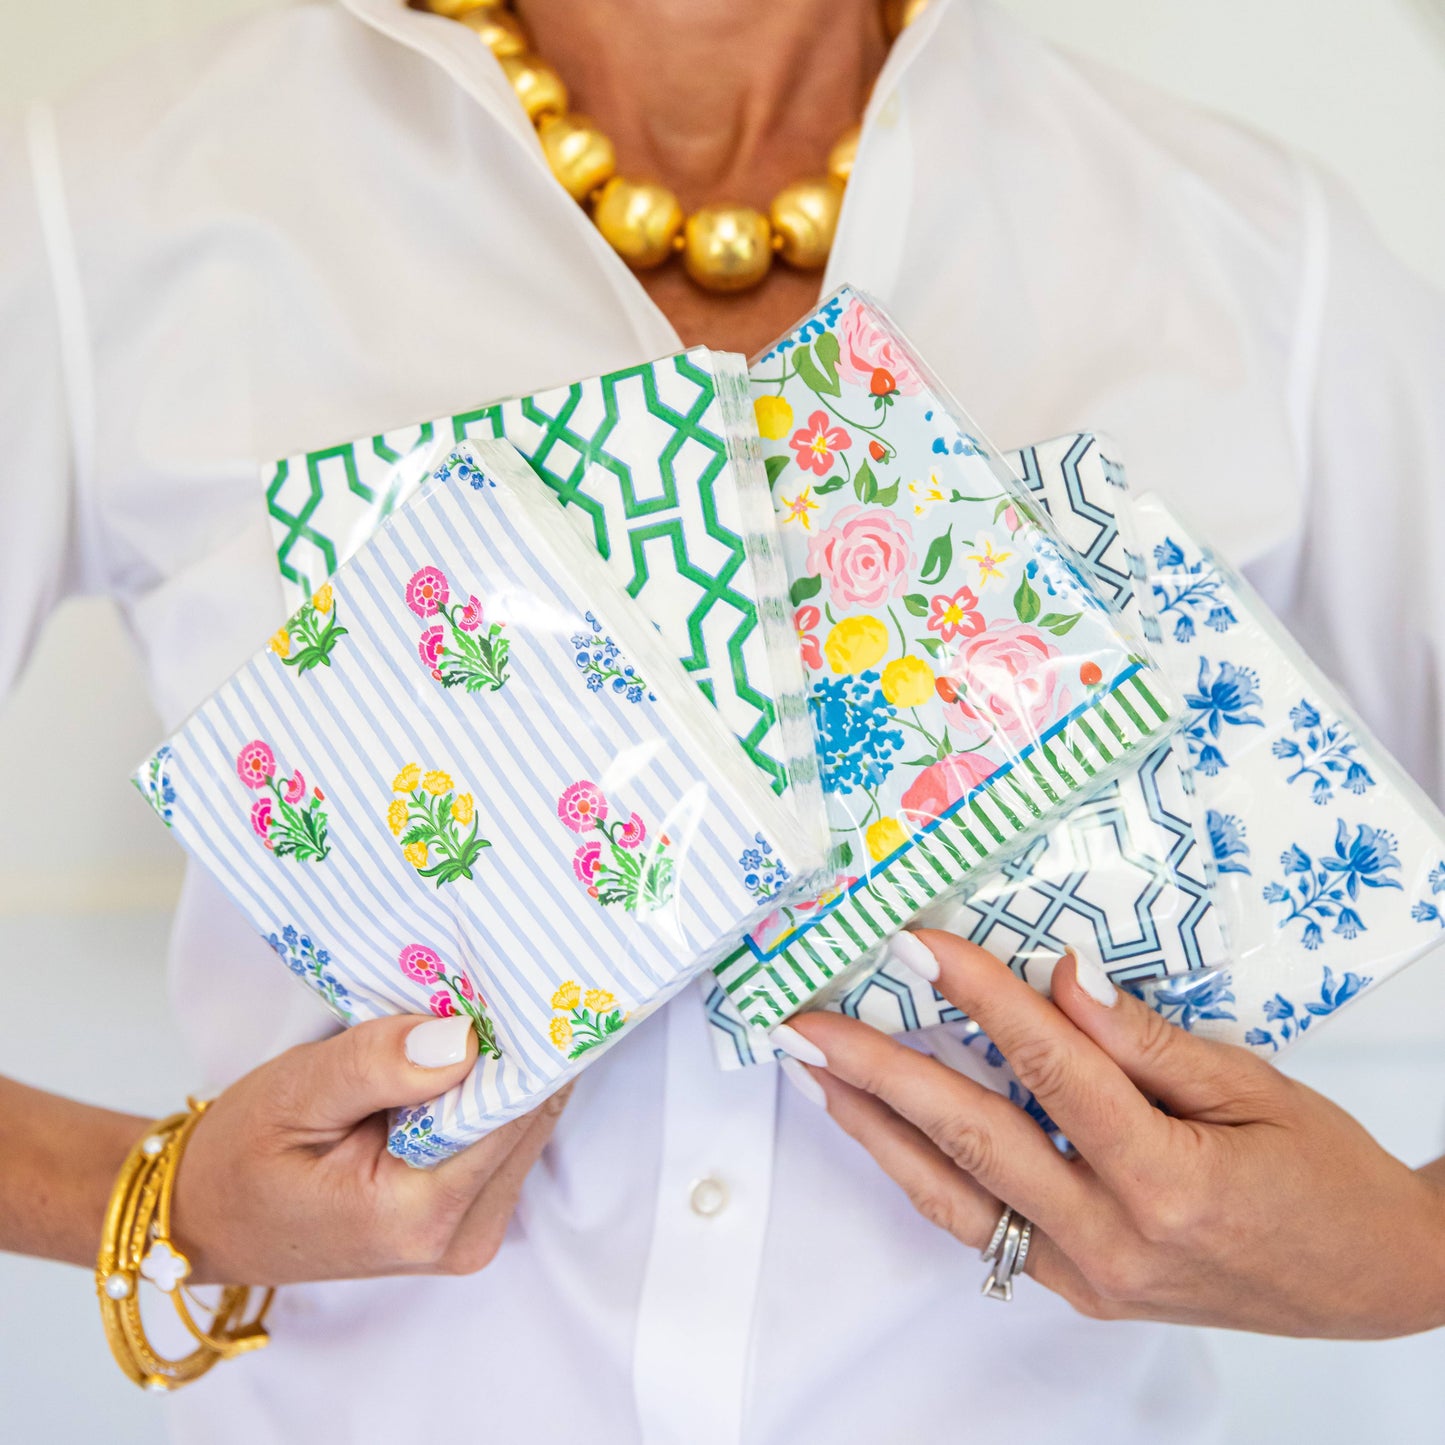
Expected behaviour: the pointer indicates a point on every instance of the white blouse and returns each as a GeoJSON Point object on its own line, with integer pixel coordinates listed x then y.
{"type": "Point", "coordinates": [335, 219]}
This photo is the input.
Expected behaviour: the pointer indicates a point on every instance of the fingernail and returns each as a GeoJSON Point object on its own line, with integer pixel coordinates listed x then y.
{"type": "Point", "coordinates": [791, 1042]}
{"type": "Point", "coordinates": [1092, 978]}
{"type": "Point", "coordinates": [915, 955]}
{"type": "Point", "coordinates": [804, 1082]}
{"type": "Point", "coordinates": [439, 1043]}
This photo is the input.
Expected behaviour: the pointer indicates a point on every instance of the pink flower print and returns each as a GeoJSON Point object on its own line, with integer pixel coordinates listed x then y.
{"type": "Point", "coordinates": [261, 818]}
{"type": "Point", "coordinates": [632, 833]}
{"type": "Point", "coordinates": [813, 445]}
{"type": "Point", "coordinates": [441, 1004]}
{"type": "Point", "coordinates": [429, 649]}
{"type": "Point", "coordinates": [1011, 518]}
{"type": "Point", "coordinates": [471, 614]}
{"type": "Point", "coordinates": [805, 619]}
{"type": "Point", "coordinates": [420, 963]}
{"type": "Point", "coordinates": [295, 788]}
{"type": "Point", "coordinates": [956, 616]}
{"type": "Point", "coordinates": [865, 557]}
{"type": "Point", "coordinates": [586, 860]}
{"type": "Point", "coordinates": [582, 806]}
{"type": "Point", "coordinates": [940, 785]}
{"type": "Point", "coordinates": [464, 987]}
{"type": "Point", "coordinates": [1008, 683]}
{"type": "Point", "coordinates": [427, 592]}
{"type": "Point", "coordinates": [255, 764]}
{"type": "Point", "coordinates": [867, 346]}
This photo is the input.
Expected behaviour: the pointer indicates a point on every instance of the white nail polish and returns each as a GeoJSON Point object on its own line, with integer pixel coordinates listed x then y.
{"type": "Point", "coordinates": [1092, 978]}
{"type": "Point", "coordinates": [791, 1042]}
{"type": "Point", "coordinates": [439, 1043]}
{"type": "Point", "coordinates": [915, 955]}
{"type": "Point", "coordinates": [804, 1082]}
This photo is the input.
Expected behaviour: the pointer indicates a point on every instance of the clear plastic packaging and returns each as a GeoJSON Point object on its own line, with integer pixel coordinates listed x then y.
{"type": "Point", "coordinates": [1330, 860]}
{"type": "Point", "coordinates": [1123, 873]}
{"type": "Point", "coordinates": [967, 683]}
{"type": "Point", "coordinates": [657, 466]}
{"type": "Point", "coordinates": [420, 793]}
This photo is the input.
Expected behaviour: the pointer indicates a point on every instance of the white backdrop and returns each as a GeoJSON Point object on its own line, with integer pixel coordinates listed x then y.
{"type": "Point", "coordinates": [1358, 83]}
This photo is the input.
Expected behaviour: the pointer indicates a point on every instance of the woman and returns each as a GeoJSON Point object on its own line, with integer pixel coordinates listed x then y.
{"type": "Point", "coordinates": [337, 218]}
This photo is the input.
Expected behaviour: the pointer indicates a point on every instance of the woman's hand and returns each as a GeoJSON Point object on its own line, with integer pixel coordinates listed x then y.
{"type": "Point", "coordinates": [287, 1177]}
{"type": "Point", "coordinates": [1254, 1203]}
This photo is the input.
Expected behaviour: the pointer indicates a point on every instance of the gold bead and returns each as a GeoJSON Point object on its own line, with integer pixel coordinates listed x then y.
{"type": "Point", "coordinates": [727, 248]}
{"type": "Point", "coordinates": [898, 15]}
{"type": "Point", "coordinates": [580, 155]}
{"type": "Point", "coordinates": [804, 216]}
{"type": "Point", "coordinates": [497, 29]}
{"type": "Point", "coordinates": [843, 154]}
{"type": "Point", "coordinates": [455, 9]}
{"type": "Point", "coordinates": [639, 220]}
{"type": "Point", "coordinates": [538, 86]}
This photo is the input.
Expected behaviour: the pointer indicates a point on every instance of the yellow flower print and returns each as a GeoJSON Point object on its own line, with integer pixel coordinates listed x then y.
{"type": "Point", "coordinates": [415, 854]}
{"type": "Point", "coordinates": [798, 509]}
{"type": "Point", "coordinates": [856, 643]}
{"type": "Point", "coordinates": [775, 417]}
{"type": "Point", "coordinates": [924, 495]}
{"type": "Point", "coordinates": [568, 995]}
{"type": "Point", "coordinates": [464, 809]}
{"type": "Point", "coordinates": [908, 682]}
{"type": "Point", "coordinates": [407, 779]}
{"type": "Point", "coordinates": [396, 816]}
{"type": "Point", "coordinates": [599, 1000]}
{"type": "Point", "coordinates": [280, 644]}
{"type": "Point", "coordinates": [323, 599]}
{"type": "Point", "coordinates": [560, 1032]}
{"type": "Point", "coordinates": [436, 782]}
{"type": "Point", "coordinates": [885, 836]}
{"type": "Point", "coordinates": [990, 563]}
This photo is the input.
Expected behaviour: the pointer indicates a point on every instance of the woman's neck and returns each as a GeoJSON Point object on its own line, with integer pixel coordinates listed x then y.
{"type": "Point", "coordinates": [721, 101]}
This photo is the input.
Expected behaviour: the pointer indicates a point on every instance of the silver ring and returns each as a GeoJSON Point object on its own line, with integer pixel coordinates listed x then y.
{"type": "Point", "coordinates": [1008, 1251]}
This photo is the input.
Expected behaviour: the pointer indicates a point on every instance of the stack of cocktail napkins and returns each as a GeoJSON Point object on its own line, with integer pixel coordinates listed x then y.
{"type": "Point", "coordinates": [808, 663]}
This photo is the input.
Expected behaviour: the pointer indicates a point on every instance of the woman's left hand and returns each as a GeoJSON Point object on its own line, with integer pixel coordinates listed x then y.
{"type": "Point", "coordinates": [1253, 1204]}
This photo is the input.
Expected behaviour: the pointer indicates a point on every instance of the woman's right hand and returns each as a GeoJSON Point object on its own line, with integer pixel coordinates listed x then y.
{"type": "Point", "coordinates": [287, 1177]}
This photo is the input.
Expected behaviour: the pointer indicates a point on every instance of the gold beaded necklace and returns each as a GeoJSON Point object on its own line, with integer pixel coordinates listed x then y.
{"type": "Point", "coordinates": [723, 247]}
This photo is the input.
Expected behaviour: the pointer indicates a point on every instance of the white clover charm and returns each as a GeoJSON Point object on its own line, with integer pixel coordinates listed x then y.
{"type": "Point", "coordinates": [163, 1266]}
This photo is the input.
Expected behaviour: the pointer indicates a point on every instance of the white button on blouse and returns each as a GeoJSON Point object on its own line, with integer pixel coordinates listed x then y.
{"type": "Point", "coordinates": [335, 220]}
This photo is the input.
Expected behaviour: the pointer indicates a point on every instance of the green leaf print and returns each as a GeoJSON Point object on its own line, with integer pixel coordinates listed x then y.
{"type": "Point", "coordinates": [804, 588]}
{"type": "Point", "coordinates": [938, 559]}
{"type": "Point", "coordinates": [1026, 602]}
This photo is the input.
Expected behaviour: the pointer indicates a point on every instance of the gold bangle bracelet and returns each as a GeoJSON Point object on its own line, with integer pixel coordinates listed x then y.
{"type": "Point", "coordinates": [136, 1245]}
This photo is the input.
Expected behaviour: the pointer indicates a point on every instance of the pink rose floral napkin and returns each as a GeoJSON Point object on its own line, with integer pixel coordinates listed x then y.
{"type": "Point", "coordinates": [966, 682]}
{"type": "Point", "coordinates": [493, 792]}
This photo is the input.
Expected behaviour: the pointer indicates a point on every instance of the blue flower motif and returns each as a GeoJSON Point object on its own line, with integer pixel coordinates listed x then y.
{"type": "Point", "coordinates": [1437, 878]}
{"type": "Point", "coordinates": [1289, 1022]}
{"type": "Point", "coordinates": [1191, 1000]}
{"type": "Point", "coordinates": [1366, 858]}
{"type": "Point", "coordinates": [1223, 699]}
{"type": "Point", "coordinates": [856, 743]}
{"type": "Point", "coordinates": [600, 659]}
{"type": "Point", "coordinates": [1426, 912]}
{"type": "Point", "coordinates": [1313, 936]}
{"type": "Point", "coordinates": [312, 966]}
{"type": "Point", "coordinates": [156, 786]}
{"type": "Point", "coordinates": [1349, 924]}
{"type": "Point", "coordinates": [1189, 591]}
{"type": "Point", "coordinates": [1226, 841]}
{"type": "Point", "coordinates": [1295, 860]}
{"type": "Point", "coordinates": [1324, 752]}
{"type": "Point", "coordinates": [763, 875]}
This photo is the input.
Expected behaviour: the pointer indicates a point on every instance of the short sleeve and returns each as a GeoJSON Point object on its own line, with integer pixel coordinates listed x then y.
{"type": "Point", "coordinates": [1369, 582]}
{"type": "Point", "coordinates": [39, 559]}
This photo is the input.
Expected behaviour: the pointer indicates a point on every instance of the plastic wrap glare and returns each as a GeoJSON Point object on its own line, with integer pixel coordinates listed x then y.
{"type": "Point", "coordinates": [658, 468]}
{"type": "Point", "coordinates": [418, 794]}
{"type": "Point", "coordinates": [1122, 874]}
{"type": "Point", "coordinates": [1330, 860]}
{"type": "Point", "coordinates": [966, 682]}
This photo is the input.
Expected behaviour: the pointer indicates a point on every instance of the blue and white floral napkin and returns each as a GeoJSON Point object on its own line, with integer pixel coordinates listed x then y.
{"type": "Point", "coordinates": [1330, 860]}
{"type": "Point", "coordinates": [419, 794]}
